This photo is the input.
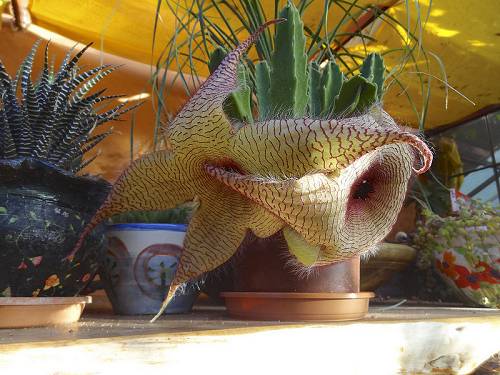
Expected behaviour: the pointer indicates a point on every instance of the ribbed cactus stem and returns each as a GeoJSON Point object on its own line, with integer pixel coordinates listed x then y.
{"type": "Point", "coordinates": [314, 90]}
{"type": "Point", "coordinates": [373, 70]}
{"type": "Point", "coordinates": [331, 83]}
{"type": "Point", "coordinates": [288, 86]}
{"type": "Point", "coordinates": [262, 86]}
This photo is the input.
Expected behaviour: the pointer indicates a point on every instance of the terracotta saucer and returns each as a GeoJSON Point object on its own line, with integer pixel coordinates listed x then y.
{"type": "Point", "coordinates": [22, 312]}
{"type": "Point", "coordinates": [297, 306]}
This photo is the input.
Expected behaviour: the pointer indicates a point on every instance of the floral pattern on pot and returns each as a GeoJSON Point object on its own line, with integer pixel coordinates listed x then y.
{"type": "Point", "coordinates": [464, 250]}
{"type": "Point", "coordinates": [476, 277]}
{"type": "Point", "coordinates": [42, 210]}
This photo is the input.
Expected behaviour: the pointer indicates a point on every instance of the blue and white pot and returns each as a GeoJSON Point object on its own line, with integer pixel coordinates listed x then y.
{"type": "Point", "coordinates": [140, 264]}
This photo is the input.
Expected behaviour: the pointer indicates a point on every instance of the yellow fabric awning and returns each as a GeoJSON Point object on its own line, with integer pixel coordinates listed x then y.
{"type": "Point", "coordinates": [464, 36]}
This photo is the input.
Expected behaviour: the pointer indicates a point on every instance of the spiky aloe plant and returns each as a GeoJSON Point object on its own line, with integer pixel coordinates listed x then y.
{"type": "Point", "coordinates": [53, 116]}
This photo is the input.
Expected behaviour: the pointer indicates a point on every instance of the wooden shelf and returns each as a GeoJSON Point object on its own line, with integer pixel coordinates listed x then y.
{"type": "Point", "coordinates": [388, 341]}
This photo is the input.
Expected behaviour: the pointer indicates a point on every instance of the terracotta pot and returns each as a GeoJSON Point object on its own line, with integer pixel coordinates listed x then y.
{"type": "Point", "coordinates": [298, 306]}
{"type": "Point", "coordinates": [262, 267]}
{"type": "Point", "coordinates": [267, 287]}
{"type": "Point", "coordinates": [24, 312]}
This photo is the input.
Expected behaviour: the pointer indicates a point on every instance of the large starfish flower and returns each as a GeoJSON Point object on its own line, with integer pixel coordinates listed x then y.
{"type": "Point", "coordinates": [334, 187]}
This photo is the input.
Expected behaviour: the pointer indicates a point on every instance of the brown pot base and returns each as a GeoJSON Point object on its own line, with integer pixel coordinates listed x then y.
{"type": "Point", "coordinates": [297, 306]}
{"type": "Point", "coordinates": [263, 268]}
{"type": "Point", "coordinates": [23, 312]}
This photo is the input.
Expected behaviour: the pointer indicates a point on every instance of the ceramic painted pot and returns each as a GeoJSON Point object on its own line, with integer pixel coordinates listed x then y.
{"type": "Point", "coordinates": [42, 213]}
{"type": "Point", "coordinates": [472, 269]}
{"type": "Point", "coordinates": [140, 263]}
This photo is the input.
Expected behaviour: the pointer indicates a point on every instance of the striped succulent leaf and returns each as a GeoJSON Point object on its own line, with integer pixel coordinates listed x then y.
{"type": "Point", "coordinates": [53, 116]}
{"type": "Point", "coordinates": [7, 145]}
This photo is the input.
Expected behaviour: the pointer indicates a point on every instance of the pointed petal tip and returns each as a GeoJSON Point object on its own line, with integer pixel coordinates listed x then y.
{"type": "Point", "coordinates": [171, 293]}
{"type": "Point", "coordinates": [425, 155]}
{"type": "Point", "coordinates": [421, 147]}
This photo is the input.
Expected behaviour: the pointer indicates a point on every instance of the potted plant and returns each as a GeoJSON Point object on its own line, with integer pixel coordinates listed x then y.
{"type": "Point", "coordinates": [143, 252]}
{"type": "Point", "coordinates": [330, 206]}
{"type": "Point", "coordinates": [464, 250]}
{"type": "Point", "coordinates": [456, 240]}
{"type": "Point", "coordinates": [45, 132]}
{"type": "Point", "coordinates": [291, 84]}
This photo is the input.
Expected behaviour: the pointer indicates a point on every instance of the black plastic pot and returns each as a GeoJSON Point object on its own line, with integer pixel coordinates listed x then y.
{"type": "Point", "coordinates": [42, 212]}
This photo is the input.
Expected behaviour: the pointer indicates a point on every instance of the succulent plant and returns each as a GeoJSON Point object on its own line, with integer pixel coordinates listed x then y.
{"type": "Point", "coordinates": [333, 187]}
{"type": "Point", "coordinates": [55, 114]}
{"type": "Point", "coordinates": [291, 86]}
{"type": "Point", "coordinates": [464, 250]}
{"type": "Point", "coordinates": [178, 215]}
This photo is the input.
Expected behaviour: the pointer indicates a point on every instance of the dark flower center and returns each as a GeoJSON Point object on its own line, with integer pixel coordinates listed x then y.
{"type": "Point", "coordinates": [363, 190]}
{"type": "Point", "coordinates": [472, 278]}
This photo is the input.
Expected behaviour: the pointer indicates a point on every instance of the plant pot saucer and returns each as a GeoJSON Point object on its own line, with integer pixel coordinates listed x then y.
{"type": "Point", "coordinates": [23, 312]}
{"type": "Point", "coordinates": [297, 306]}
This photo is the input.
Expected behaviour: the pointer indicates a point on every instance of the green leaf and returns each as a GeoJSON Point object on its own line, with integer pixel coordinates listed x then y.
{"type": "Point", "coordinates": [33, 215]}
{"type": "Point", "coordinates": [13, 219]}
{"type": "Point", "coordinates": [3, 210]}
{"type": "Point", "coordinates": [356, 95]}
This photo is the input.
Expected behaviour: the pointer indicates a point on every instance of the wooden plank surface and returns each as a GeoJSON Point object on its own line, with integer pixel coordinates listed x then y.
{"type": "Point", "coordinates": [93, 326]}
{"type": "Point", "coordinates": [393, 341]}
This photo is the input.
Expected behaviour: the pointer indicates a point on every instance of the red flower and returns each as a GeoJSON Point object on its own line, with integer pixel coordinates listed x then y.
{"type": "Point", "coordinates": [36, 260]}
{"type": "Point", "coordinates": [22, 266]}
{"type": "Point", "coordinates": [85, 277]}
{"type": "Point", "coordinates": [483, 265]}
{"type": "Point", "coordinates": [490, 276]}
{"type": "Point", "coordinates": [448, 266]}
{"type": "Point", "coordinates": [469, 281]}
{"type": "Point", "coordinates": [461, 271]}
{"type": "Point", "coordinates": [487, 274]}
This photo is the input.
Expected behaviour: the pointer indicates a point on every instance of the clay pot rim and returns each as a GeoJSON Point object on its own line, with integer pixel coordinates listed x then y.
{"type": "Point", "coordinates": [36, 301]}
{"type": "Point", "coordinates": [295, 295]}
